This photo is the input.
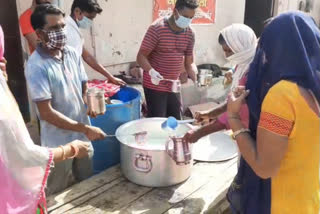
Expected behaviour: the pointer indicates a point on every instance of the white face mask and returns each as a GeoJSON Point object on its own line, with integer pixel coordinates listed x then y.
{"type": "Point", "coordinates": [183, 22]}
{"type": "Point", "coordinates": [85, 23]}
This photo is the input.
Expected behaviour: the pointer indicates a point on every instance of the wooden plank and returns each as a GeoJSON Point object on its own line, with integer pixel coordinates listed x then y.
{"type": "Point", "coordinates": [223, 207]}
{"type": "Point", "coordinates": [84, 200]}
{"type": "Point", "coordinates": [83, 188]}
{"type": "Point", "coordinates": [111, 200]}
{"type": "Point", "coordinates": [210, 198]}
{"type": "Point", "coordinates": [220, 203]}
{"type": "Point", "coordinates": [160, 200]}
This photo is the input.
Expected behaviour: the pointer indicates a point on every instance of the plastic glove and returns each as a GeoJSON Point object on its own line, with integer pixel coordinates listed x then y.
{"type": "Point", "coordinates": [155, 76]}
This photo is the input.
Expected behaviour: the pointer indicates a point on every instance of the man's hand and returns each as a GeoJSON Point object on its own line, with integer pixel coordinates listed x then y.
{"type": "Point", "coordinates": [117, 81]}
{"type": "Point", "coordinates": [93, 63]}
{"type": "Point", "coordinates": [155, 76]}
{"type": "Point", "coordinates": [92, 114]}
{"type": "Point", "coordinates": [94, 133]}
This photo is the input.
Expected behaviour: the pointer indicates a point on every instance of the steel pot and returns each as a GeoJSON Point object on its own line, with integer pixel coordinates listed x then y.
{"type": "Point", "coordinates": [148, 163]}
{"type": "Point", "coordinates": [205, 79]}
{"type": "Point", "coordinates": [176, 86]}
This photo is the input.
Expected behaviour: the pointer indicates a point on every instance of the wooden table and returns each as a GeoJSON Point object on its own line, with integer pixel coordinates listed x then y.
{"type": "Point", "coordinates": [111, 192]}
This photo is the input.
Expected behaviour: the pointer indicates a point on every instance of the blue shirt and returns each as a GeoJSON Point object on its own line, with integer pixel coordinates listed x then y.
{"type": "Point", "coordinates": [60, 81]}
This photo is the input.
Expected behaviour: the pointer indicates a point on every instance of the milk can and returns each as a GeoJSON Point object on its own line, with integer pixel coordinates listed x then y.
{"type": "Point", "coordinates": [180, 152]}
{"type": "Point", "coordinates": [205, 77]}
{"type": "Point", "coordinates": [96, 101]}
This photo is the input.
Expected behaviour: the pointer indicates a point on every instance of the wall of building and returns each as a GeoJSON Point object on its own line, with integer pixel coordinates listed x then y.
{"type": "Point", "coordinates": [290, 5]}
{"type": "Point", "coordinates": [117, 33]}
{"type": "Point", "coordinates": [119, 30]}
{"type": "Point", "coordinates": [316, 11]}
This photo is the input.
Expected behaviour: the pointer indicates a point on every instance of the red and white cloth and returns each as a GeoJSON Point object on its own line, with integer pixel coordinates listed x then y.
{"type": "Point", "coordinates": [109, 88]}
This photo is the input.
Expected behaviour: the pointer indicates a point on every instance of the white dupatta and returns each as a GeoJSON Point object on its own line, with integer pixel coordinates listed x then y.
{"type": "Point", "coordinates": [24, 167]}
{"type": "Point", "coordinates": [242, 40]}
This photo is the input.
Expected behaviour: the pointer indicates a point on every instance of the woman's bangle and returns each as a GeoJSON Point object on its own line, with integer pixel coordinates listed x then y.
{"type": "Point", "coordinates": [236, 133]}
{"type": "Point", "coordinates": [63, 152]}
{"type": "Point", "coordinates": [233, 118]}
{"type": "Point", "coordinates": [76, 151]}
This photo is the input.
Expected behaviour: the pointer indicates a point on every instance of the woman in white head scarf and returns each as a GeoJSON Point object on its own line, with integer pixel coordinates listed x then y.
{"type": "Point", "coordinates": [239, 43]}
{"type": "Point", "coordinates": [24, 166]}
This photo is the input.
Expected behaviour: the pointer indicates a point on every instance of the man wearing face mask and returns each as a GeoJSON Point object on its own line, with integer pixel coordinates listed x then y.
{"type": "Point", "coordinates": [167, 47]}
{"type": "Point", "coordinates": [25, 24]}
{"type": "Point", "coordinates": [82, 14]}
{"type": "Point", "coordinates": [57, 82]}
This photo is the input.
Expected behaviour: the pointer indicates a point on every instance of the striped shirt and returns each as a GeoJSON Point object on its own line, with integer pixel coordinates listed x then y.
{"type": "Point", "coordinates": [167, 50]}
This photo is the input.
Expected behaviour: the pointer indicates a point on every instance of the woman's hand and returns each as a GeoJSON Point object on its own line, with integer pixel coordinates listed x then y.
{"type": "Point", "coordinates": [236, 100]}
{"type": "Point", "coordinates": [94, 133]}
{"type": "Point", "coordinates": [200, 116]}
{"type": "Point", "coordinates": [84, 148]}
{"type": "Point", "coordinates": [192, 136]}
{"type": "Point", "coordinates": [228, 77]}
{"type": "Point", "coordinates": [75, 149]}
{"type": "Point", "coordinates": [117, 81]}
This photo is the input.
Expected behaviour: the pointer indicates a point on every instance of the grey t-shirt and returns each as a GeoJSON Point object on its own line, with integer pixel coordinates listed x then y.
{"type": "Point", "coordinates": [61, 82]}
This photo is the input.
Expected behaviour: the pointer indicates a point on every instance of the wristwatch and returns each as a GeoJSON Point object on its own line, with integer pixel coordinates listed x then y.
{"type": "Point", "coordinates": [240, 131]}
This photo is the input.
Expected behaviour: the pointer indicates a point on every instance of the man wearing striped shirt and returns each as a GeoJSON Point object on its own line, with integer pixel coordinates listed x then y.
{"type": "Point", "coordinates": [166, 48]}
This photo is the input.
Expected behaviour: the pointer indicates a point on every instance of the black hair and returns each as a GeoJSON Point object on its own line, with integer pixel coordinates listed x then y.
{"type": "Point", "coordinates": [38, 17]}
{"type": "Point", "coordinates": [191, 4]}
{"type": "Point", "coordinates": [221, 40]}
{"type": "Point", "coordinates": [89, 6]}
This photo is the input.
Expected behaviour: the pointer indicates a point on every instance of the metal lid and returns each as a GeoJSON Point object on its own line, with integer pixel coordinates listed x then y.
{"type": "Point", "coordinates": [217, 146]}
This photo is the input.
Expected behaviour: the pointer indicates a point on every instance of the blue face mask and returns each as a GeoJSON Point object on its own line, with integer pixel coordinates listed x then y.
{"type": "Point", "coordinates": [85, 23]}
{"type": "Point", "coordinates": [183, 22]}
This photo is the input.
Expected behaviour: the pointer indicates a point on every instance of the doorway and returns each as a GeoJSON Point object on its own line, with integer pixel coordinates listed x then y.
{"type": "Point", "coordinates": [256, 13]}
{"type": "Point", "coordinates": [14, 55]}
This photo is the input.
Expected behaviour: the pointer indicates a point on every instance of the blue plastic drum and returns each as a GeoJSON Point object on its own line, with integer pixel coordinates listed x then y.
{"type": "Point", "coordinates": [107, 151]}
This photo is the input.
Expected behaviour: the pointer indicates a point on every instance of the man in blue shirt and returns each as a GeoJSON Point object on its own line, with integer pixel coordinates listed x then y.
{"type": "Point", "coordinates": [57, 83]}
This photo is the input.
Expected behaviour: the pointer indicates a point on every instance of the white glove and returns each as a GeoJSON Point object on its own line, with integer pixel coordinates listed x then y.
{"type": "Point", "coordinates": [155, 76]}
